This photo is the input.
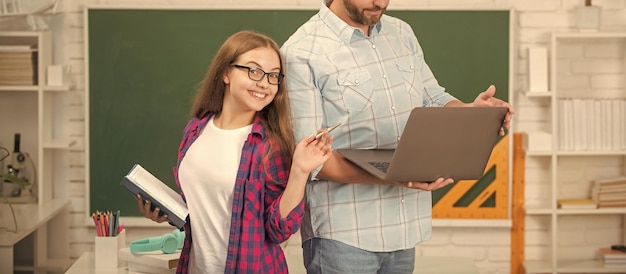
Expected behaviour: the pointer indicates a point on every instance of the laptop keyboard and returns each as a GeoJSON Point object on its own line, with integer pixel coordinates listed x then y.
{"type": "Point", "coordinates": [382, 166]}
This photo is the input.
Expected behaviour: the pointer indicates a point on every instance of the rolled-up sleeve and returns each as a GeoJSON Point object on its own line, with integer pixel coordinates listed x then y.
{"type": "Point", "coordinates": [279, 229]}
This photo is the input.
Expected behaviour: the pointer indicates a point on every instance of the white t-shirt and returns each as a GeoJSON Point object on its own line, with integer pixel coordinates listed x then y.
{"type": "Point", "coordinates": [207, 176]}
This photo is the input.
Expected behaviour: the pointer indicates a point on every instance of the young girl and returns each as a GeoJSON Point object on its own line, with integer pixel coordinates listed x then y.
{"type": "Point", "coordinates": [239, 169]}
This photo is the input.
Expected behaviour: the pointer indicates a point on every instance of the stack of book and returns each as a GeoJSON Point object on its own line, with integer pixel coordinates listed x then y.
{"type": "Point", "coordinates": [612, 258]}
{"type": "Point", "coordinates": [609, 192]}
{"type": "Point", "coordinates": [18, 65]}
{"type": "Point", "coordinates": [591, 124]}
{"type": "Point", "coordinates": [154, 262]}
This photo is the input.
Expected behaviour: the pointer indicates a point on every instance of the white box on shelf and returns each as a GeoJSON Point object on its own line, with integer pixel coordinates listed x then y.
{"type": "Point", "coordinates": [537, 141]}
{"type": "Point", "coordinates": [588, 18]}
{"type": "Point", "coordinates": [55, 75]}
{"type": "Point", "coordinates": [537, 69]}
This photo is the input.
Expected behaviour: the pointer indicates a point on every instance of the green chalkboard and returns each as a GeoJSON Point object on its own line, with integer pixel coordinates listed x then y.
{"type": "Point", "coordinates": [144, 65]}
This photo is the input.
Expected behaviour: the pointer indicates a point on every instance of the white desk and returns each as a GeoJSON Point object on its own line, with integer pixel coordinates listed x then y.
{"type": "Point", "coordinates": [34, 218]}
{"type": "Point", "coordinates": [86, 264]}
{"type": "Point", "coordinates": [423, 265]}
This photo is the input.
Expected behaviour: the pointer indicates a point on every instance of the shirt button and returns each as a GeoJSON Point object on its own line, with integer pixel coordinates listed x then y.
{"type": "Point", "coordinates": [398, 138]}
{"type": "Point", "coordinates": [402, 201]}
{"type": "Point", "coordinates": [384, 76]}
{"type": "Point", "coordinates": [373, 46]}
{"type": "Point", "coordinates": [393, 107]}
{"type": "Point", "coordinates": [356, 81]}
{"type": "Point", "coordinates": [411, 67]}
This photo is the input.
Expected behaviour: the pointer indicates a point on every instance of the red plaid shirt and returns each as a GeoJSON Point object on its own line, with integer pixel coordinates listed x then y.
{"type": "Point", "coordinates": [256, 228]}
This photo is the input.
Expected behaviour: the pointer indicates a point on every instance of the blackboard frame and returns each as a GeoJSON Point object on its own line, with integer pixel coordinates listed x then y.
{"type": "Point", "coordinates": [118, 200]}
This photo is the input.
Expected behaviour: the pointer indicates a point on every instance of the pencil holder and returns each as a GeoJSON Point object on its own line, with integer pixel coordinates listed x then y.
{"type": "Point", "coordinates": [107, 249]}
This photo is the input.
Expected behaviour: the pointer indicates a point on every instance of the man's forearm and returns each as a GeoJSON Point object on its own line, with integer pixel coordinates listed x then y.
{"type": "Point", "coordinates": [338, 169]}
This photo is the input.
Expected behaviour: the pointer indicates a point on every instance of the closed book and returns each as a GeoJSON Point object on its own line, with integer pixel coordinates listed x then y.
{"type": "Point", "coordinates": [611, 181]}
{"type": "Point", "coordinates": [577, 204]}
{"type": "Point", "coordinates": [621, 261]}
{"type": "Point", "coordinates": [612, 189]}
{"type": "Point", "coordinates": [608, 196]}
{"type": "Point", "coordinates": [608, 253]}
{"type": "Point", "coordinates": [154, 259]}
{"type": "Point", "coordinates": [612, 204]}
{"type": "Point", "coordinates": [140, 181]}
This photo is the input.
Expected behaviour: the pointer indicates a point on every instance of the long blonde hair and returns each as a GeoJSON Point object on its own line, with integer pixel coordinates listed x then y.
{"type": "Point", "coordinates": [276, 116]}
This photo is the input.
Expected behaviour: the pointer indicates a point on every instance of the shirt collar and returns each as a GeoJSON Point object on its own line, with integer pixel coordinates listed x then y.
{"type": "Point", "coordinates": [257, 127]}
{"type": "Point", "coordinates": [345, 32]}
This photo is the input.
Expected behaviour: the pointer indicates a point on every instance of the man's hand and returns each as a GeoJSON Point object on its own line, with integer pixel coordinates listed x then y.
{"type": "Point", "coordinates": [486, 99]}
{"type": "Point", "coordinates": [437, 184]}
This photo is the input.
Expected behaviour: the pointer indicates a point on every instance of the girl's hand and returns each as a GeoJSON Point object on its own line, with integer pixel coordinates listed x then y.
{"type": "Point", "coordinates": [310, 153]}
{"type": "Point", "coordinates": [146, 210]}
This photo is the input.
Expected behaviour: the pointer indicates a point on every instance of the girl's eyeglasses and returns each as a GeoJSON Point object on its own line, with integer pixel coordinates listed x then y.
{"type": "Point", "coordinates": [257, 74]}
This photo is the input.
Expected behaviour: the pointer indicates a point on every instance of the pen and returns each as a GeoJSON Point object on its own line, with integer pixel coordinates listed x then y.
{"type": "Point", "coordinates": [111, 223]}
{"type": "Point", "coordinates": [96, 222]}
{"type": "Point", "coordinates": [98, 226]}
{"type": "Point", "coordinates": [117, 222]}
{"type": "Point", "coordinates": [102, 228]}
{"type": "Point", "coordinates": [329, 130]}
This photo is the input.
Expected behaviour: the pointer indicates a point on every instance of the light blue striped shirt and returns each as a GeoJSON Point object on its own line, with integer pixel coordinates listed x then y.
{"type": "Point", "coordinates": [335, 73]}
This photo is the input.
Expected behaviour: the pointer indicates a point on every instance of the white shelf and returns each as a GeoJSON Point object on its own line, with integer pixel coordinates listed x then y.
{"type": "Point", "coordinates": [558, 165]}
{"type": "Point", "coordinates": [538, 94]}
{"type": "Point", "coordinates": [19, 88]}
{"type": "Point", "coordinates": [57, 88]}
{"type": "Point", "coordinates": [58, 144]}
{"type": "Point", "coordinates": [588, 35]}
{"type": "Point", "coordinates": [571, 266]}
{"type": "Point", "coordinates": [597, 211]}
{"type": "Point", "coordinates": [546, 210]}
{"type": "Point", "coordinates": [35, 88]}
{"type": "Point", "coordinates": [578, 153]}
{"type": "Point", "coordinates": [586, 266]}
{"type": "Point", "coordinates": [538, 153]}
{"type": "Point", "coordinates": [41, 116]}
{"type": "Point", "coordinates": [9, 35]}
{"type": "Point", "coordinates": [592, 153]}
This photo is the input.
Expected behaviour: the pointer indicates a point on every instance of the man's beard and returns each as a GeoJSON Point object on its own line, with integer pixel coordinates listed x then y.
{"type": "Point", "coordinates": [359, 16]}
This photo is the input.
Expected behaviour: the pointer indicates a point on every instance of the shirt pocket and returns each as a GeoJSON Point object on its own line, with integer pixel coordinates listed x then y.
{"type": "Point", "coordinates": [356, 88]}
{"type": "Point", "coordinates": [412, 80]}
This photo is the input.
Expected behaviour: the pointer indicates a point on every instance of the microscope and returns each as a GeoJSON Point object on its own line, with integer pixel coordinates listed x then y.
{"type": "Point", "coordinates": [18, 179]}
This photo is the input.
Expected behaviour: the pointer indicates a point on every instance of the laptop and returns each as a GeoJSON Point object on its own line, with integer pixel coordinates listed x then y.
{"type": "Point", "coordinates": [449, 142]}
